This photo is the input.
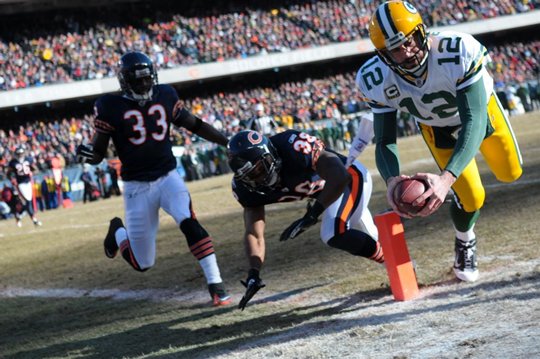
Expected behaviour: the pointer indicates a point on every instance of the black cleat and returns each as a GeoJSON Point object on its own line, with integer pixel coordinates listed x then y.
{"type": "Point", "coordinates": [219, 294]}
{"type": "Point", "coordinates": [109, 244]}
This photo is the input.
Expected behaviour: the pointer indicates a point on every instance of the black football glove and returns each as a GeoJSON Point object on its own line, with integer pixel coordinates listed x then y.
{"type": "Point", "coordinates": [300, 225]}
{"type": "Point", "coordinates": [253, 284]}
{"type": "Point", "coordinates": [84, 153]}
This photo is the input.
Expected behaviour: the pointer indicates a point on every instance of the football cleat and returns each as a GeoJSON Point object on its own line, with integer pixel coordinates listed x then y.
{"type": "Point", "coordinates": [465, 264]}
{"type": "Point", "coordinates": [109, 244]}
{"type": "Point", "coordinates": [37, 222]}
{"type": "Point", "coordinates": [19, 223]}
{"type": "Point", "coordinates": [219, 294]}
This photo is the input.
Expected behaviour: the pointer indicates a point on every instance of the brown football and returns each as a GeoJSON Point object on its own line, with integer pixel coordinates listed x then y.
{"type": "Point", "coordinates": [406, 192]}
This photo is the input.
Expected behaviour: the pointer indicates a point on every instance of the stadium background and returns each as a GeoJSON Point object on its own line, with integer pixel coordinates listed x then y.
{"type": "Point", "coordinates": [297, 61]}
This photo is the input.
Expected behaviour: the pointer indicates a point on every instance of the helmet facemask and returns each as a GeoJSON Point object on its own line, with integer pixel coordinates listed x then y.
{"type": "Point", "coordinates": [418, 60]}
{"type": "Point", "coordinates": [259, 175]}
{"type": "Point", "coordinates": [254, 161]}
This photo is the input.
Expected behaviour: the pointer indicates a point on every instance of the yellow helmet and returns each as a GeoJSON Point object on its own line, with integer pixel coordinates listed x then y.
{"type": "Point", "coordinates": [390, 27]}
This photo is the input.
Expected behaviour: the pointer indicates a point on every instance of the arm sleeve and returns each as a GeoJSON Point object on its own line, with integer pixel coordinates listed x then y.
{"type": "Point", "coordinates": [473, 113]}
{"type": "Point", "coordinates": [386, 152]}
{"type": "Point", "coordinates": [102, 122]}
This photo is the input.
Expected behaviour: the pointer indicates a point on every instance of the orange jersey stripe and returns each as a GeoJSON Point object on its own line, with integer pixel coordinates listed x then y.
{"type": "Point", "coordinates": [350, 200]}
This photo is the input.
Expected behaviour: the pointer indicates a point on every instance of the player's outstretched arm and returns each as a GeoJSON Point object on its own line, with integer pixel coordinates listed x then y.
{"type": "Point", "coordinates": [186, 119]}
{"type": "Point", "coordinates": [254, 223]}
{"type": "Point", "coordinates": [253, 284]}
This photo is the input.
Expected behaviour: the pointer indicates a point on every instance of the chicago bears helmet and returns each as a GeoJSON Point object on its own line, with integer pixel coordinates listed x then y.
{"type": "Point", "coordinates": [394, 24]}
{"type": "Point", "coordinates": [137, 76]}
{"type": "Point", "coordinates": [20, 152]}
{"type": "Point", "coordinates": [254, 160]}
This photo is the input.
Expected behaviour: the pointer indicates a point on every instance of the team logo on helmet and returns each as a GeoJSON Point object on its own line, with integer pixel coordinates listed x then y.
{"type": "Point", "coordinates": [410, 8]}
{"type": "Point", "coordinates": [254, 137]}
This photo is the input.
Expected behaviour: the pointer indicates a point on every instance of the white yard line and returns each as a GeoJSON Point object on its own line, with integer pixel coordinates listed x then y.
{"type": "Point", "coordinates": [157, 295]}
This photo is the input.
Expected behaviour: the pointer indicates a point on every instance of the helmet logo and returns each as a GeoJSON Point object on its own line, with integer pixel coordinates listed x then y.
{"type": "Point", "coordinates": [254, 137]}
{"type": "Point", "coordinates": [410, 8]}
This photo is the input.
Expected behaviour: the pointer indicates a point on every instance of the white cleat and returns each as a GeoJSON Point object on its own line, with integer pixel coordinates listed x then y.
{"type": "Point", "coordinates": [465, 264]}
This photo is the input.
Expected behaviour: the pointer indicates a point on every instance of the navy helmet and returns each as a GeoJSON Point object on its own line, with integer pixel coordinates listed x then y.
{"type": "Point", "coordinates": [137, 75]}
{"type": "Point", "coordinates": [254, 160]}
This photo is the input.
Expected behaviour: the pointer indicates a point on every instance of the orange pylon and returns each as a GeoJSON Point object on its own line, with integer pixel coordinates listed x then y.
{"type": "Point", "coordinates": [396, 256]}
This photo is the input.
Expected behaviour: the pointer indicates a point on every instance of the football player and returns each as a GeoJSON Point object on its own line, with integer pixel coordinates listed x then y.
{"type": "Point", "coordinates": [138, 122]}
{"type": "Point", "coordinates": [441, 79]}
{"type": "Point", "coordinates": [291, 166]}
{"type": "Point", "coordinates": [20, 175]}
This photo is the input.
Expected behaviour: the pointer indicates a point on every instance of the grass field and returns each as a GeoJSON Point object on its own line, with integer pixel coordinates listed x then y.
{"type": "Point", "coordinates": [60, 297]}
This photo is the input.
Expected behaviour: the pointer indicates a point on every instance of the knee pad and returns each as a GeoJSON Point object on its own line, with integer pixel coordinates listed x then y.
{"type": "Point", "coordinates": [355, 242]}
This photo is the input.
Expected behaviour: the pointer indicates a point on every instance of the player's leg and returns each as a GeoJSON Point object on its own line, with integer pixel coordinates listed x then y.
{"type": "Point", "coordinates": [176, 201]}
{"type": "Point", "coordinates": [137, 240]}
{"type": "Point", "coordinates": [469, 196]}
{"type": "Point", "coordinates": [500, 149]}
{"type": "Point", "coordinates": [346, 223]}
{"type": "Point", "coordinates": [27, 191]}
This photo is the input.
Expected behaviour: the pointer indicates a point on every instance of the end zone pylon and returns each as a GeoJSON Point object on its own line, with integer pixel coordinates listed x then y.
{"type": "Point", "coordinates": [396, 256]}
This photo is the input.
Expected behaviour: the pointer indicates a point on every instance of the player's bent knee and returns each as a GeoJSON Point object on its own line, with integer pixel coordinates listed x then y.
{"type": "Point", "coordinates": [128, 256]}
{"type": "Point", "coordinates": [473, 202]}
{"type": "Point", "coordinates": [355, 242]}
{"type": "Point", "coordinates": [476, 204]}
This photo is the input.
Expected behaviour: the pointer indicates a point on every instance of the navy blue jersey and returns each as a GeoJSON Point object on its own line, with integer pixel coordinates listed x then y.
{"type": "Point", "coordinates": [140, 133]}
{"type": "Point", "coordinates": [299, 153]}
{"type": "Point", "coordinates": [21, 170]}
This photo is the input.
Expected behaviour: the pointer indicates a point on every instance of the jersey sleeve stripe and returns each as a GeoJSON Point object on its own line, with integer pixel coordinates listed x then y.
{"type": "Point", "coordinates": [474, 69]}
{"type": "Point", "coordinates": [103, 127]}
{"type": "Point", "coordinates": [469, 76]}
{"type": "Point", "coordinates": [382, 109]}
{"type": "Point", "coordinates": [378, 106]}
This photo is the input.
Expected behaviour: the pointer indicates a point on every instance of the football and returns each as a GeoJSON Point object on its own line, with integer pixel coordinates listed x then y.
{"type": "Point", "coordinates": [406, 192]}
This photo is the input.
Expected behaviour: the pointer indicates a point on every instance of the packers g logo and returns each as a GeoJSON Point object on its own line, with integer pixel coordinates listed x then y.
{"type": "Point", "coordinates": [392, 92]}
{"type": "Point", "coordinates": [410, 8]}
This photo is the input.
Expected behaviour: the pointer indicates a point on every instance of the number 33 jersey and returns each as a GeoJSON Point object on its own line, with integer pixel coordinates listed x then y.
{"type": "Point", "coordinates": [140, 132]}
{"type": "Point", "coordinates": [455, 61]}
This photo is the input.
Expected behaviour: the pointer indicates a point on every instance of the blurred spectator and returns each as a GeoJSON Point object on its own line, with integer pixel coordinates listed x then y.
{"type": "Point", "coordinates": [86, 179]}
{"type": "Point", "coordinates": [294, 103]}
{"type": "Point", "coordinates": [81, 44]}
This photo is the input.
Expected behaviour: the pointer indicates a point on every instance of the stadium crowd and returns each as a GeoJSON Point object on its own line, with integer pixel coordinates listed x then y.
{"type": "Point", "coordinates": [87, 43]}
{"type": "Point", "coordinates": [306, 104]}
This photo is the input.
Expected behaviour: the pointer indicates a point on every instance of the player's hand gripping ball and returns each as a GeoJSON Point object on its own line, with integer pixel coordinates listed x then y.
{"type": "Point", "coordinates": [406, 192]}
